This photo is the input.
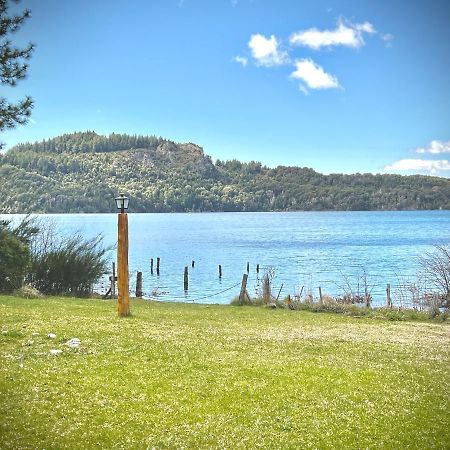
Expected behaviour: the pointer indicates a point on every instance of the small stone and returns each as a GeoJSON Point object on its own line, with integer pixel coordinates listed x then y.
{"type": "Point", "coordinates": [55, 352]}
{"type": "Point", "coordinates": [29, 343]}
{"type": "Point", "coordinates": [34, 334]}
{"type": "Point", "coordinates": [4, 332]}
{"type": "Point", "coordinates": [51, 335]}
{"type": "Point", "coordinates": [73, 343]}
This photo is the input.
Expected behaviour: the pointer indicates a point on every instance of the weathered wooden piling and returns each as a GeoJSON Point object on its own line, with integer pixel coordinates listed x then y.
{"type": "Point", "coordinates": [138, 292]}
{"type": "Point", "coordinates": [320, 295]}
{"type": "Point", "coordinates": [186, 278]}
{"type": "Point", "coordinates": [257, 268]}
{"type": "Point", "coordinates": [220, 271]}
{"type": "Point", "coordinates": [151, 266]}
{"type": "Point", "coordinates": [267, 294]}
{"type": "Point", "coordinates": [193, 264]}
{"type": "Point", "coordinates": [367, 297]}
{"type": "Point", "coordinates": [158, 260]}
{"type": "Point", "coordinates": [243, 288]}
{"type": "Point", "coordinates": [388, 296]}
{"type": "Point", "coordinates": [248, 267]}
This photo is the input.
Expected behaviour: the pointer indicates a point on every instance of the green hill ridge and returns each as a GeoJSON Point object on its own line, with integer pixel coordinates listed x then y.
{"type": "Point", "coordinates": [84, 171]}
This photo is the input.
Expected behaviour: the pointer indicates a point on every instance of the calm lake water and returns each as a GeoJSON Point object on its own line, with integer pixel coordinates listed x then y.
{"type": "Point", "coordinates": [309, 249]}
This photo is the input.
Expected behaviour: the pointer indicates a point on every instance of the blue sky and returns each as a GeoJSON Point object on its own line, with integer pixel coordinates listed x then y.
{"type": "Point", "coordinates": [339, 86]}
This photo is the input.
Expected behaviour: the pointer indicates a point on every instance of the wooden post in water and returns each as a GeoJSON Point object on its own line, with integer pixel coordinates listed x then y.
{"type": "Point", "coordinates": [151, 266]}
{"type": "Point", "coordinates": [220, 271]}
{"type": "Point", "coordinates": [123, 303]}
{"type": "Point", "coordinates": [388, 296]}
{"type": "Point", "coordinates": [113, 281]}
{"type": "Point", "coordinates": [243, 288]}
{"type": "Point", "coordinates": [193, 264]}
{"type": "Point", "coordinates": [158, 260]}
{"type": "Point", "coordinates": [139, 285]}
{"type": "Point", "coordinates": [320, 295]}
{"type": "Point", "coordinates": [257, 268]}
{"type": "Point", "coordinates": [186, 279]}
{"type": "Point", "coordinates": [248, 267]}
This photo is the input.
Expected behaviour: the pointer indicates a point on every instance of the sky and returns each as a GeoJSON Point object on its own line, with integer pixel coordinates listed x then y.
{"type": "Point", "coordinates": [339, 86]}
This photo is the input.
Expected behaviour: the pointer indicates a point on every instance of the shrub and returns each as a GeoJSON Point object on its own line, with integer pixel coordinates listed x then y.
{"type": "Point", "coordinates": [436, 267]}
{"type": "Point", "coordinates": [28, 292]}
{"type": "Point", "coordinates": [68, 268]}
{"type": "Point", "coordinates": [14, 258]}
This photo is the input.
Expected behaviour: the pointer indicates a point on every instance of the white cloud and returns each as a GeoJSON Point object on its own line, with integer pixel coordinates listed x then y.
{"type": "Point", "coordinates": [266, 51]}
{"type": "Point", "coordinates": [313, 75]}
{"type": "Point", "coordinates": [388, 38]}
{"type": "Point", "coordinates": [241, 60]}
{"type": "Point", "coordinates": [347, 34]}
{"type": "Point", "coordinates": [435, 147]}
{"type": "Point", "coordinates": [303, 89]}
{"type": "Point", "coordinates": [419, 165]}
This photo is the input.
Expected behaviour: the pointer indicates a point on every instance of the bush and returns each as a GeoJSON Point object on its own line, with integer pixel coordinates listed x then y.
{"type": "Point", "coordinates": [14, 258]}
{"type": "Point", "coordinates": [28, 292]}
{"type": "Point", "coordinates": [436, 268]}
{"type": "Point", "coordinates": [68, 268]}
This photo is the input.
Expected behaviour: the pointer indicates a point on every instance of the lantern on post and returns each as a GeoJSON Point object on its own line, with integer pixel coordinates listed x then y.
{"type": "Point", "coordinates": [123, 306]}
{"type": "Point", "coordinates": [122, 203]}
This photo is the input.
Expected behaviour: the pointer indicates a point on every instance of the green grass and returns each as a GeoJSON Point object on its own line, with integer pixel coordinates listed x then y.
{"type": "Point", "coordinates": [198, 376]}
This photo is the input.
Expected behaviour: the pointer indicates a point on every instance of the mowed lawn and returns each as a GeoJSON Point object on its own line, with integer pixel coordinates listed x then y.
{"type": "Point", "coordinates": [209, 376]}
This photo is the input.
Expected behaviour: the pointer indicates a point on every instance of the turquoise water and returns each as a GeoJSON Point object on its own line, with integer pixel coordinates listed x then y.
{"type": "Point", "coordinates": [309, 249]}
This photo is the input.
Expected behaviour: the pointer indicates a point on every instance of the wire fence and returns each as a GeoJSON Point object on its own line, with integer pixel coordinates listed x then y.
{"type": "Point", "coordinates": [401, 291]}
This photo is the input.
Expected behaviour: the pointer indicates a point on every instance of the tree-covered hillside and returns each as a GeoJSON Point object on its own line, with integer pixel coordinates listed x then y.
{"type": "Point", "coordinates": [83, 172]}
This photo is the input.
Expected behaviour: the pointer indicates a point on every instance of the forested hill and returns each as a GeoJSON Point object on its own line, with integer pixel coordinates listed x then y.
{"type": "Point", "coordinates": [83, 172]}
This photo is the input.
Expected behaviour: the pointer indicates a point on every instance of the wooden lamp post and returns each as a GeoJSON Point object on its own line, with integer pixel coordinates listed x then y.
{"type": "Point", "coordinates": [123, 305]}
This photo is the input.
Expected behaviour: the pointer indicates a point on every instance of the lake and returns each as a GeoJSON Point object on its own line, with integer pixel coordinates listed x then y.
{"type": "Point", "coordinates": [301, 249]}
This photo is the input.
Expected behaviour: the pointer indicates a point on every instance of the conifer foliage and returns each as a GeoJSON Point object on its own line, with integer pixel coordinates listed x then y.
{"type": "Point", "coordinates": [13, 67]}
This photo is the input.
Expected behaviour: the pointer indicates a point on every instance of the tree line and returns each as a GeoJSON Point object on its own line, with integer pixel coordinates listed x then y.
{"type": "Point", "coordinates": [82, 172]}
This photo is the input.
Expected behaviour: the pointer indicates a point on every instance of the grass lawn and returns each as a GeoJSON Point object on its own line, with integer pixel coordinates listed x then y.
{"type": "Point", "coordinates": [198, 376]}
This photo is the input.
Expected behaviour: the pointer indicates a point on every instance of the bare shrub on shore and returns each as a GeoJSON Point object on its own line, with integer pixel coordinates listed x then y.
{"type": "Point", "coordinates": [436, 271]}
{"type": "Point", "coordinates": [356, 290]}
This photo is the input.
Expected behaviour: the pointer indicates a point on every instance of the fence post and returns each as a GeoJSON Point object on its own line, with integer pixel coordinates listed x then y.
{"type": "Point", "coordinates": [186, 279]}
{"type": "Point", "coordinates": [243, 288]}
{"type": "Point", "coordinates": [367, 297]}
{"type": "Point", "coordinates": [138, 285]}
{"type": "Point", "coordinates": [266, 290]}
{"type": "Point", "coordinates": [388, 296]}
